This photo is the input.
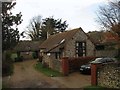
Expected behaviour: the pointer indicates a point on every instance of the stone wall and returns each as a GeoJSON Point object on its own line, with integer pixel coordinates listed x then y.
{"type": "Point", "coordinates": [56, 65]}
{"type": "Point", "coordinates": [106, 53]}
{"type": "Point", "coordinates": [46, 60]}
{"type": "Point", "coordinates": [90, 48]}
{"type": "Point", "coordinates": [109, 75]}
{"type": "Point", "coordinates": [81, 37]}
{"type": "Point", "coordinates": [52, 63]}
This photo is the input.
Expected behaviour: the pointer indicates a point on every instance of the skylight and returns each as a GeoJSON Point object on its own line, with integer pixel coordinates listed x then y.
{"type": "Point", "coordinates": [63, 40]}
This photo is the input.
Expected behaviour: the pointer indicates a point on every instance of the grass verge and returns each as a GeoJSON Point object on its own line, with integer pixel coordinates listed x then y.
{"type": "Point", "coordinates": [47, 71]}
{"type": "Point", "coordinates": [94, 88]}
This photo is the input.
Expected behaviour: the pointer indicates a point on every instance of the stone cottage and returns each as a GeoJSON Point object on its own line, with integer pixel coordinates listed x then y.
{"type": "Point", "coordinates": [71, 43]}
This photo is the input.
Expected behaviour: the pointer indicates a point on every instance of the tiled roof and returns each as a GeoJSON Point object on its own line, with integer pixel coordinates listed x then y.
{"type": "Point", "coordinates": [55, 40]}
{"type": "Point", "coordinates": [111, 37]}
{"type": "Point", "coordinates": [28, 46]}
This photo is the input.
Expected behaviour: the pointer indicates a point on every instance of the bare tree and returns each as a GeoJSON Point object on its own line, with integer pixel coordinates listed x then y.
{"type": "Point", "coordinates": [109, 16]}
{"type": "Point", "coordinates": [34, 28]}
{"type": "Point", "coordinates": [39, 29]}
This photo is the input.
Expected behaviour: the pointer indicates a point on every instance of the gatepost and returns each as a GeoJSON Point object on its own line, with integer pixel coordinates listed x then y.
{"type": "Point", "coordinates": [94, 67]}
{"type": "Point", "coordinates": [65, 66]}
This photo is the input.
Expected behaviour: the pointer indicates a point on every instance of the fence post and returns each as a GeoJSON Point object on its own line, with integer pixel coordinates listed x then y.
{"type": "Point", "coordinates": [94, 67]}
{"type": "Point", "coordinates": [65, 66]}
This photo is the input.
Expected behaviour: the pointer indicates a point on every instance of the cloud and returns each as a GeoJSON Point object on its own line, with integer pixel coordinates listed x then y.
{"type": "Point", "coordinates": [76, 12]}
{"type": "Point", "coordinates": [5, 0]}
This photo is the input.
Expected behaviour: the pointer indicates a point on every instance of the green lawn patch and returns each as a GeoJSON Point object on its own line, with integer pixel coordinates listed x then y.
{"type": "Point", "coordinates": [47, 71]}
{"type": "Point", "coordinates": [94, 88]}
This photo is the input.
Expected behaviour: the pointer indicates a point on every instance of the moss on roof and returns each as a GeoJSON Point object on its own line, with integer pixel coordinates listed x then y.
{"type": "Point", "coordinates": [54, 40]}
{"type": "Point", "coordinates": [28, 46]}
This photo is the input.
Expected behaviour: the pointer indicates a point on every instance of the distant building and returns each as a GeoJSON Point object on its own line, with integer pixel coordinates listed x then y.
{"type": "Point", "coordinates": [27, 48]}
{"type": "Point", "coordinates": [109, 47]}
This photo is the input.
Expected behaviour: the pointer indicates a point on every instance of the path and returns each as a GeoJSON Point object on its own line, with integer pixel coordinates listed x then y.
{"type": "Point", "coordinates": [75, 80]}
{"type": "Point", "coordinates": [25, 76]}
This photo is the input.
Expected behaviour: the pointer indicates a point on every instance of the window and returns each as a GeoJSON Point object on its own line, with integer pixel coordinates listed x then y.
{"type": "Point", "coordinates": [80, 49]}
{"type": "Point", "coordinates": [57, 55]}
{"type": "Point", "coordinates": [100, 47]}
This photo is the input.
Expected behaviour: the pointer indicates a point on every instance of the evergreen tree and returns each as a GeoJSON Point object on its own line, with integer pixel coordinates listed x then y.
{"type": "Point", "coordinates": [10, 33]}
{"type": "Point", "coordinates": [53, 26]}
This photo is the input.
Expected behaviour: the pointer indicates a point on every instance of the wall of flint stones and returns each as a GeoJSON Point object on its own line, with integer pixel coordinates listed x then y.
{"type": "Point", "coordinates": [109, 75]}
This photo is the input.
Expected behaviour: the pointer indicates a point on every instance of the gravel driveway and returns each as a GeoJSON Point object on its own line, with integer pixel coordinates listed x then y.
{"type": "Point", "coordinates": [75, 80]}
{"type": "Point", "coordinates": [25, 76]}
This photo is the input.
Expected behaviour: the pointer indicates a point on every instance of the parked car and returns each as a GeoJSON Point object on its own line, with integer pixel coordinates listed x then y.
{"type": "Point", "coordinates": [86, 69]}
{"type": "Point", "coordinates": [104, 60]}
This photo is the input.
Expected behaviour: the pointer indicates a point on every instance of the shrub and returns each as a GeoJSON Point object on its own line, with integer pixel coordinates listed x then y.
{"type": "Point", "coordinates": [13, 56]}
{"type": "Point", "coordinates": [35, 55]}
{"type": "Point", "coordinates": [7, 64]}
{"type": "Point", "coordinates": [19, 59]}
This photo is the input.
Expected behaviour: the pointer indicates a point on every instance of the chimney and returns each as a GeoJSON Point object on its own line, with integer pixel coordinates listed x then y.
{"type": "Point", "coordinates": [48, 35]}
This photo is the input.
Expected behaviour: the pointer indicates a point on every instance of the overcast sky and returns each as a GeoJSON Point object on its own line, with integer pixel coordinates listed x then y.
{"type": "Point", "coordinates": [78, 13]}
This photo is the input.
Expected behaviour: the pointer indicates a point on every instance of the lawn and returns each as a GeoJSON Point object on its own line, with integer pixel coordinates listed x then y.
{"type": "Point", "coordinates": [47, 71]}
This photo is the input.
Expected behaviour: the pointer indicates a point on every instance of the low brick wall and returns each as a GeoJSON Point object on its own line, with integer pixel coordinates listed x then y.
{"type": "Point", "coordinates": [109, 75]}
{"type": "Point", "coordinates": [75, 63]}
